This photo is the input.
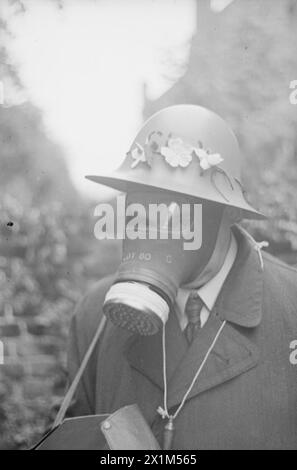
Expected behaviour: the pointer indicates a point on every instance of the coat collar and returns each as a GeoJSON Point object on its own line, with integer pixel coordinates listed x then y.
{"type": "Point", "coordinates": [239, 303]}
{"type": "Point", "coordinates": [240, 300]}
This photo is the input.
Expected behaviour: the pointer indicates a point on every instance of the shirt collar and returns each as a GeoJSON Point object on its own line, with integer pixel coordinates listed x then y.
{"type": "Point", "coordinates": [209, 292]}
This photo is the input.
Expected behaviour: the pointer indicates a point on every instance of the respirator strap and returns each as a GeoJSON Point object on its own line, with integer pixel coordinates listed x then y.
{"type": "Point", "coordinates": [73, 387]}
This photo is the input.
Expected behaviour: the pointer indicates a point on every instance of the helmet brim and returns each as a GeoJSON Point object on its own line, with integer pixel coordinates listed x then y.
{"type": "Point", "coordinates": [125, 183]}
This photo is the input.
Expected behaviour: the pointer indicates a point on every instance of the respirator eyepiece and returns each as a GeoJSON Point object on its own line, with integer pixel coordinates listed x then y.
{"type": "Point", "coordinates": [136, 307]}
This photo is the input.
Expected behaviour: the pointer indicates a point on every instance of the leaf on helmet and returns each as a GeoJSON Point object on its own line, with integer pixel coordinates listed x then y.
{"type": "Point", "coordinates": [138, 155]}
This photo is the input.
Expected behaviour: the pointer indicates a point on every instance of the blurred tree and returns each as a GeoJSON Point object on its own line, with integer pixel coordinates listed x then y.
{"type": "Point", "coordinates": [241, 64]}
{"type": "Point", "coordinates": [48, 258]}
{"type": "Point", "coordinates": [32, 166]}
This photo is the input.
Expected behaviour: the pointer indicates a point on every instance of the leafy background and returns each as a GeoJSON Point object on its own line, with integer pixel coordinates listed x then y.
{"type": "Point", "coordinates": [241, 64]}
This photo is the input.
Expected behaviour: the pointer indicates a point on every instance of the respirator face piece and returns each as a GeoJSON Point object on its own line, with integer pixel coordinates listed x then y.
{"type": "Point", "coordinates": [168, 241]}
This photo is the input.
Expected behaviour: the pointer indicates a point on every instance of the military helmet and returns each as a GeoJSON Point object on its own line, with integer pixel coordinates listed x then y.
{"type": "Point", "coordinates": [184, 149]}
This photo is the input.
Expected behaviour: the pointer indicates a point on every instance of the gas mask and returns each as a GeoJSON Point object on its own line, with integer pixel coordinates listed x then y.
{"type": "Point", "coordinates": [186, 158]}
{"type": "Point", "coordinates": [168, 242]}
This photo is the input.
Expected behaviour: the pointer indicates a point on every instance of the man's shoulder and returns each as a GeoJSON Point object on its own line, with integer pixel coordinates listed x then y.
{"type": "Point", "coordinates": [96, 294]}
{"type": "Point", "coordinates": [88, 312]}
{"type": "Point", "coordinates": [277, 267]}
{"type": "Point", "coordinates": [280, 280]}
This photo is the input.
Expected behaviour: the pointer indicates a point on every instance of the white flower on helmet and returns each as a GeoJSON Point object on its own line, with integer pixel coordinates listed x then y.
{"type": "Point", "coordinates": [207, 160]}
{"type": "Point", "coordinates": [177, 152]}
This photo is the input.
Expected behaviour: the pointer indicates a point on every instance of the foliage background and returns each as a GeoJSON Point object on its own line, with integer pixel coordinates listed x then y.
{"type": "Point", "coordinates": [241, 64]}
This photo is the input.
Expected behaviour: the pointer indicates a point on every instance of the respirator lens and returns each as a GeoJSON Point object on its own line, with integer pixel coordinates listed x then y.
{"type": "Point", "coordinates": [136, 307]}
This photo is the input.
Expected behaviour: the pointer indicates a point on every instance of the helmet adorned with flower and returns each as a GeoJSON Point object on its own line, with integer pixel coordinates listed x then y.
{"type": "Point", "coordinates": [184, 149]}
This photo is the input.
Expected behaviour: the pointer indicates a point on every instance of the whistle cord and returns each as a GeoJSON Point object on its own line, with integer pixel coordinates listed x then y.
{"type": "Point", "coordinates": [169, 427]}
{"type": "Point", "coordinates": [258, 246]}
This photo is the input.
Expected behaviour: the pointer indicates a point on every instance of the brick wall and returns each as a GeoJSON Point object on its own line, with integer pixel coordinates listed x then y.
{"type": "Point", "coordinates": [48, 259]}
{"type": "Point", "coordinates": [33, 373]}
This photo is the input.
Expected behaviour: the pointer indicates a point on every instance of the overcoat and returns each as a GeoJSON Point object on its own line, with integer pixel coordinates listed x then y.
{"type": "Point", "coordinates": [246, 395]}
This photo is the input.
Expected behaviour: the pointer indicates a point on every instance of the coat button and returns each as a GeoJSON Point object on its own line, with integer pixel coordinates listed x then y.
{"type": "Point", "coordinates": [106, 425]}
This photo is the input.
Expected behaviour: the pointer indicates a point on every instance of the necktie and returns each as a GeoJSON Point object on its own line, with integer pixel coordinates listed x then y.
{"type": "Point", "coordinates": [192, 310]}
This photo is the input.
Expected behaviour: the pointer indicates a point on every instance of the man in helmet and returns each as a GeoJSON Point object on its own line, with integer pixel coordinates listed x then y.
{"type": "Point", "coordinates": [197, 337]}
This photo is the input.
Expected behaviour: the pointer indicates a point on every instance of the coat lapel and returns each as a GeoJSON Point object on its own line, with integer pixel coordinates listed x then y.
{"type": "Point", "coordinates": [232, 355]}
{"type": "Point", "coordinates": [240, 300]}
{"type": "Point", "coordinates": [146, 355]}
{"type": "Point", "coordinates": [239, 304]}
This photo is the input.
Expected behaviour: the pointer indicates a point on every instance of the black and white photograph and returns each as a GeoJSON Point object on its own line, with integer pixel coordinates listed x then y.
{"type": "Point", "coordinates": [148, 228]}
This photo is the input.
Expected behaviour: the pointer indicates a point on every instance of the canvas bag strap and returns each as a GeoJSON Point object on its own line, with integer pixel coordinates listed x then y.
{"type": "Point", "coordinates": [72, 389]}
